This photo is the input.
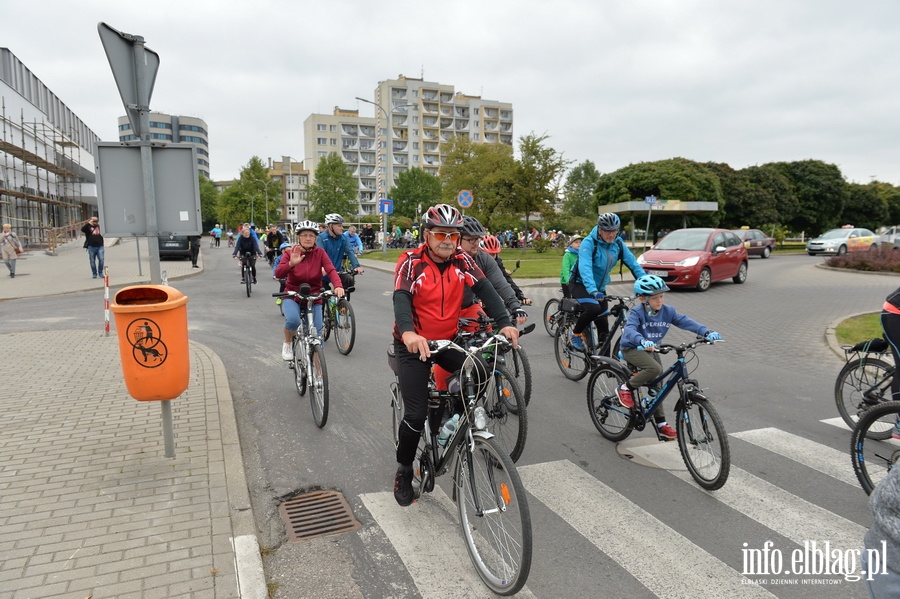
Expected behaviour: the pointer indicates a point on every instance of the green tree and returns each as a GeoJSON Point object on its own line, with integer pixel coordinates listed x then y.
{"type": "Point", "coordinates": [209, 195]}
{"type": "Point", "coordinates": [891, 196]}
{"type": "Point", "coordinates": [538, 176]}
{"type": "Point", "coordinates": [578, 192]}
{"type": "Point", "coordinates": [252, 198]}
{"type": "Point", "coordinates": [754, 195]}
{"type": "Point", "coordinates": [821, 193]}
{"type": "Point", "coordinates": [334, 190]}
{"type": "Point", "coordinates": [487, 170]}
{"type": "Point", "coordinates": [865, 207]}
{"type": "Point", "coordinates": [415, 188]}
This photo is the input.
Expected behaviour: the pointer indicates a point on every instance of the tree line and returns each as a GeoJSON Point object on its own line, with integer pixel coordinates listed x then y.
{"type": "Point", "coordinates": [808, 196]}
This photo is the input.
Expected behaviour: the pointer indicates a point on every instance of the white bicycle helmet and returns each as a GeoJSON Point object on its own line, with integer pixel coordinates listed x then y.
{"type": "Point", "coordinates": [442, 215]}
{"type": "Point", "coordinates": [306, 225]}
{"type": "Point", "coordinates": [334, 219]}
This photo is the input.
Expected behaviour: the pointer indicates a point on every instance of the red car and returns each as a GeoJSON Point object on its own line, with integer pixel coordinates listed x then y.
{"type": "Point", "coordinates": [697, 258]}
{"type": "Point", "coordinates": [756, 242]}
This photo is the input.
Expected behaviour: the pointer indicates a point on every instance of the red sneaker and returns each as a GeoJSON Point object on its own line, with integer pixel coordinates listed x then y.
{"type": "Point", "coordinates": [625, 397]}
{"type": "Point", "coordinates": [667, 432]}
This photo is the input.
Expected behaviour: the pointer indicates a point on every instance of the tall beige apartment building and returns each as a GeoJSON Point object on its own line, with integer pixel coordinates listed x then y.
{"type": "Point", "coordinates": [414, 119]}
{"type": "Point", "coordinates": [174, 129]}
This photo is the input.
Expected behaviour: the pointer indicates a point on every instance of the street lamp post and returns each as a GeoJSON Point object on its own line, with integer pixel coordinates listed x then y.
{"type": "Point", "coordinates": [389, 171]}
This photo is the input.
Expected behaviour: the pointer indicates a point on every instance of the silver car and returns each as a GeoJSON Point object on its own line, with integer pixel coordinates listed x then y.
{"type": "Point", "coordinates": [840, 241]}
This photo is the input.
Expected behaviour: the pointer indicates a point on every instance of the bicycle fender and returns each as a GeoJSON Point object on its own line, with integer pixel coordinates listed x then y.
{"type": "Point", "coordinates": [612, 363]}
{"type": "Point", "coordinates": [483, 434]}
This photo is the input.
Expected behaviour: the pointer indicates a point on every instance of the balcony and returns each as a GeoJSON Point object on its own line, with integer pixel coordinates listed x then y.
{"type": "Point", "coordinates": [398, 93]}
{"type": "Point", "coordinates": [349, 157]}
{"type": "Point", "coordinates": [430, 121]}
{"type": "Point", "coordinates": [431, 171]}
{"type": "Point", "coordinates": [401, 134]}
{"type": "Point", "coordinates": [366, 145]}
{"type": "Point", "coordinates": [367, 131]}
{"type": "Point", "coordinates": [399, 108]}
{"type": "Point", "coordinates": [430, 133]}
{"type": "Point", "coordinates": [350, 130]}
{"type": "Point", "coordinates": [365, 171]}
{"type": "Point", "coordinates": [447, 111]}
{"type": "Point", "coordinates": [446, 136]}
{"type": "Point", "coordinates": [429, 94]}
{"type": "Point", "coordinates": [399, 120]}
{"type": "Point", "coordinates": [429, 107]}
{"type": "Point", "coordinates": [462, 124]}
{"type": "Point", "coordinates": [367, 157]}
{"type": "Point", "coordinates": [446, 97]}
{"type": "Point", "coordinates": [506, 139]}
{"type": "Point", "coordinates": [462, 112]}
{"type": "Point", "coordinates": [350, 144]}
{"type": "Point", "coordinates": [491, 125]}
{"type": "Point", "coordinates": [399, 146]}
{"type": "Point", "coordinates": [490, 113]}
{"type": "Point", "coordinates": [430, 146]}
{"type": "Point", "coordinates": [506, 126]}
{"type": "Point", "coordinates": [432, 161]}
{"type": "Point", "coordinates": [400, 159]}
{"type": "Point", "coordinates": [446, 123]}
{"type": "Point", "coordinates": [367, 184]}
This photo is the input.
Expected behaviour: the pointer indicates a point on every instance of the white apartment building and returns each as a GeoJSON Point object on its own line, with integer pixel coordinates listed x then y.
{"type": "Point", "coordinates": [413, 121]}
{"type": "Point", "coordinates": [174, 129]}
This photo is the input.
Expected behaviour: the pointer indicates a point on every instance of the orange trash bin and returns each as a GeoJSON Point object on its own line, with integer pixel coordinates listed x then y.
{"type": "Point", "coordinates": [151, 322]}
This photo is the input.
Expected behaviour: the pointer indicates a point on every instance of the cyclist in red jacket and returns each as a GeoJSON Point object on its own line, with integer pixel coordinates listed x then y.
{"type": "Point", "coordinates": [428, 294]}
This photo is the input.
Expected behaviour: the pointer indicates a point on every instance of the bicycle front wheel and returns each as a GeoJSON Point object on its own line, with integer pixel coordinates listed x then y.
{"type": "Point", "coordinates": [551, 316]}
{"type": "Point", "coordinates": [874, 455]}
{"type": "Point", "coordinates": [396, 412]}
{"type": "Point", "coordinates": [572, 362]}
{"type": "Point", "coordinates": [861, 384]}
{"type": "Point", "coordinates": [327, 319]}
{"type": "Point", "coordinates": [518, 365]}
{"type": "Point", "coordinates": [344, 326]}
{"type": "Point", "coordinates": [493, 515]}
{"type": "Point", "coordinates": [318, 385]}
{"type": "Point", "coordinates": [248, 280]}
{"type": "Point", "coordinates": [612, 419]}
{"type": "Point", "coordinates": [507, 418]}
{"type": "Point", "coordinates": [703, 443]}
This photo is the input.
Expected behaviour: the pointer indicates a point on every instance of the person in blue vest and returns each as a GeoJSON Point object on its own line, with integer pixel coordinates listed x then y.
{"type": "Point", "coordinates": [598, 254]}
{"type": "Point", "coordinates": [336, 245]}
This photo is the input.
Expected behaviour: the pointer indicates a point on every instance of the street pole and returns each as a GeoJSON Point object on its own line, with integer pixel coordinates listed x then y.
{"type": "Point", "coordinates": [387, 185]}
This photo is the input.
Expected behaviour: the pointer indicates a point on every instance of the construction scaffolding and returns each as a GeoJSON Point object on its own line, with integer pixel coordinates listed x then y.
{"type": "Point", "coordinates": [41, 182]}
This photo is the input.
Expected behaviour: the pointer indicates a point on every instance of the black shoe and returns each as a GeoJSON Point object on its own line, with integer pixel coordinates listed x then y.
{"type": "Point", "coordinates": [403, 491]}
{"type": "Point", "coordinates": [194, 266]}
{"type": "Point", "coordinates": [254, 281]}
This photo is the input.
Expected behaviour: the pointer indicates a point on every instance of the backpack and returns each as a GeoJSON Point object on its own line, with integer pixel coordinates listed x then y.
{"type": "Point", "coordinates": [575, 276]}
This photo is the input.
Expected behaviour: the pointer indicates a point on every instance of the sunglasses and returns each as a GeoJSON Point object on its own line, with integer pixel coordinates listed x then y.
{"type": "Point", "coordinates": [440, 236]}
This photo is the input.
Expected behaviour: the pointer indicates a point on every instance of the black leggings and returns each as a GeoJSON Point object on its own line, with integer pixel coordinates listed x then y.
{"type": "Point", "coordinates": [414, 375]}
{"type": "Point", "coordinates": [890, 323]}
{"type": "Point", "coordinates": [592, 310]}
{"type": "Point", "coordinates": [252, 260]}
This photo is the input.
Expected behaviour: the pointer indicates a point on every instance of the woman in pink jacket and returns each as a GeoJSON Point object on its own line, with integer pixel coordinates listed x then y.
{"type": "Point", "coordinates": [304, 263]}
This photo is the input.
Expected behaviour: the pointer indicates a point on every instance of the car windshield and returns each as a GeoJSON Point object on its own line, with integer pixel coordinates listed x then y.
{"type": "Point", "coordinates": [836, 234]}
{"type": "Point", "coordinates": [692, 241]}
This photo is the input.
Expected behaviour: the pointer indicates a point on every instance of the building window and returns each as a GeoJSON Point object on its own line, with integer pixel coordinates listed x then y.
{"type": "Point", "coordinates": [332, 128]}
{"type": "Point", "coordinates": [333, 141]}
{"type": "Point", "coordinates": [322, 141]}
{"type": "Point", "coordinates": [476, 111]}
{"type": "Point", "coordinates": [323, 154]}
{"type": "Point", "coordinates": [415, 145]}
{"type": "Point", "coordinates": [321, 127]}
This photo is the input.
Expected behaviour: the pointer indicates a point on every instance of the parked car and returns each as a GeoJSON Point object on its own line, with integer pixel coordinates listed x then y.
{"type": "Point", "coordinates": [174, 246]}
{"type": "Point", "coordinates": [756, 242]}
{"type": "Point", "coordinates": [843, 240]}
{"type": "Point", "coordinates": [697, 258]}
{"type": "Point", "coordinates": [890, 238]}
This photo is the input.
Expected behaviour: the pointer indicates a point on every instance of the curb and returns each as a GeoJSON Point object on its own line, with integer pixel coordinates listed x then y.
{"type": "Point", "coordinates": [247, 558]}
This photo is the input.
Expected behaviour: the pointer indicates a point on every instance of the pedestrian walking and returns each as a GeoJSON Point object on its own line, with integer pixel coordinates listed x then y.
{"type": "Point", "coordinates": [10, 248]}
{"type": "Point", "coordinates": [93, 243]}
{"type": "Point", "coordinates": [195, 249]}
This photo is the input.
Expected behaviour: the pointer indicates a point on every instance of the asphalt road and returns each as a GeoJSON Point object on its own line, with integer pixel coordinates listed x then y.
{"type": "Point", "coordinates": [773, 373]}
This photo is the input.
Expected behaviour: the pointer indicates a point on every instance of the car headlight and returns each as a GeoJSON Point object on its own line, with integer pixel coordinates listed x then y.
{"type": "Point", "coordinates": [640, 259]}
{"type": "Point", "coordinates": [688, 261]}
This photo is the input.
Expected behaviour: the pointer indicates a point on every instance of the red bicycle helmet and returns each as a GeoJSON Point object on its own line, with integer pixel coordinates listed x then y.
{"type": "Point", "coordinates": [442, 215]}
{"type": "Point", "coordinates": [490, 244]}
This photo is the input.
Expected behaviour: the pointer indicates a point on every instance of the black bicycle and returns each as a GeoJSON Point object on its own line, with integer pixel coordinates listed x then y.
{"type": "Point", "coordinates": [873, 448]}
{"type": "Point", "coordinates": [864, 381]}
{"type": "Point", "coordinates": [337, 316]}
{"type": "Point", "coordinates": [702, 439]}
{"type": "Point", "coordinates": [552, 315]}
{"type": "Point", "coordinates": [493, 508]}
{"type": "Point", "coordinates": [247, 272]}
{"type": "Point", "coordinates": [575, 363]}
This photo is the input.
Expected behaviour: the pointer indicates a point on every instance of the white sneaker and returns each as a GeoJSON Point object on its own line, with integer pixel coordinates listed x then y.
{"type": "Point", "coordinates": [286, 352]}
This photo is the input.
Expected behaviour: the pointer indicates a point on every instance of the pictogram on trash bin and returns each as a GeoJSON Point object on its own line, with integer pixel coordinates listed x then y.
{"type": "Point", "coordinates": [151, 322]}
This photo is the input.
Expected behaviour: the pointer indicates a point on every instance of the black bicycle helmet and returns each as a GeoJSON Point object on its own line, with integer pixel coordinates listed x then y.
{"type": "Point", "coordinates": [472, 227]}
{"type": "Point", "coordinates": [650, 285]}
{"type": "Point", "coordinates": [442, 215]}
{"type": "Point", "coordinates": [608, 222]}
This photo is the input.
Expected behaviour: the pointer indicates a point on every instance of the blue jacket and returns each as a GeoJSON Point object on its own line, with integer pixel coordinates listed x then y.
{"type": "Point", "coordinates": [355, 241]}
{"type": "Point", "coordinates": [596, 259]}
{"type": "Point", "coordinates": [337, 248]}
{"type": "Point", "coordinates": [641, 325]}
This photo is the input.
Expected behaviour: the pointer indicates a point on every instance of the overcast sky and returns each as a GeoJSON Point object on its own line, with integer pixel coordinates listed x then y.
{"type": "Point", "coordinates": [611, 81]}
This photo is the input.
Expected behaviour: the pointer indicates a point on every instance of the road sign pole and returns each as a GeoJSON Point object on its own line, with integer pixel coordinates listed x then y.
{"type": "Point", "coordinates": [384, 234]}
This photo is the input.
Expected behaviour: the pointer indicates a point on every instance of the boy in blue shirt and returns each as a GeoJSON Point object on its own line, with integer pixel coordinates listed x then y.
{"type": "Point", "coordinates": [645, 327]}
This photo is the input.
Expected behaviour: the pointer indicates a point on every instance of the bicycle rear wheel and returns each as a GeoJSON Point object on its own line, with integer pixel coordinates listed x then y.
{"type": "Point", "coordinates": [344, 326]}
{"type": "Point", "coordinates": [396, 412]}
{"type": "Point", "coordinates": [493, 515]}
{"type": "Point", "coordinates": [517, 364]}
{"type": "Point", "coordinates": [318, 385]}
{"type": "Point", "coordinates": [506, 411]}
{"type": "Point", "coordinates": [861, 384]}
{"type": "Point", "coordinates": [573, 363]}
{"type": "Point", "coordinates": [327, 319]}
{"type": "Point", "coordinates": [874, 457]}
{"type": "Point", "coordinates": [703, 442]}
{"type": "Point", "coordinates": [299, 367]}
{"type": "Point", "coordinates": [612, 419]}
{"type": "Point", "coordinates": [551, 316]}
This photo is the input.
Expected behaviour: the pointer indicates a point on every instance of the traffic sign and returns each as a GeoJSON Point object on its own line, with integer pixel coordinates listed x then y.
{"type": "Point", "coordinates": [465, 198]}
{"type": "Point", "coordinates": [650, 200]}
{"type": "Point", "coordinates": [123, 51]}
{"type": "Point", "coordinates": [385, 206]}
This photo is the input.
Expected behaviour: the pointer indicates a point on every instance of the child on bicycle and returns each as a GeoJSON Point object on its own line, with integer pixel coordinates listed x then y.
{"type": "Point", "coordinates": [645, 327]}
{"type": "Point", "coordinates": [570, 259]}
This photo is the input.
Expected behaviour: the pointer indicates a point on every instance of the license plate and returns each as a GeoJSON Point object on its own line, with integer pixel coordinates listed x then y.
{"type": "Point", "coordinates": [658, 273]}
{"type": "Point", "coordinates": [171, 244]}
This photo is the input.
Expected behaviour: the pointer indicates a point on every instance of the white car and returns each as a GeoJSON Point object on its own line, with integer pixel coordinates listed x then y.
{"type": "Point", "coordinates": [840, 241]}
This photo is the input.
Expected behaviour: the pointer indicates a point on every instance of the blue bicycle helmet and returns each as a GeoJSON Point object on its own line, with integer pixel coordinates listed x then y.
{"type": "Point", "coordinates": [608, 222]}
{"type": "Point", "coordinates": [650, 285]}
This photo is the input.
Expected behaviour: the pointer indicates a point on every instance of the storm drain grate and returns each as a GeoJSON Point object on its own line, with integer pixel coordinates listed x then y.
{"type": "Point", "coordinates": [317, 514]}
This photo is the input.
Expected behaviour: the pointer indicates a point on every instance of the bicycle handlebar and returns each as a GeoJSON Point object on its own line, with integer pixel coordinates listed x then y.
{"type": "Point", "coordinates": [666, 348]}
{"type": "Point", "coordinates": [307, 297]}
{"type": "Point", "coordinates": [443, 344]}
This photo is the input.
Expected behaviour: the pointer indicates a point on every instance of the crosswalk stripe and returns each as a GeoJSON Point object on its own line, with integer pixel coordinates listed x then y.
{"type": "Point", "coordinates": [427, 538]}
{"type": "Point", "coordinates": [822, 458]}
{"type": "Point", "coordinates": [773, 507]}
{"type": "Point", "coordinates": [608, 520]}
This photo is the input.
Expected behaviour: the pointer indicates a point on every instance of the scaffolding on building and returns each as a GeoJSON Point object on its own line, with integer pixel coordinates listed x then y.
{"type": "Point", "coordinates": [41, 181]}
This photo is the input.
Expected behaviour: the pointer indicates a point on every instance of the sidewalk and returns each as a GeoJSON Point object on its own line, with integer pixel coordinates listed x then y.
{"type": "Point", "coordinates": [89, 505]}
